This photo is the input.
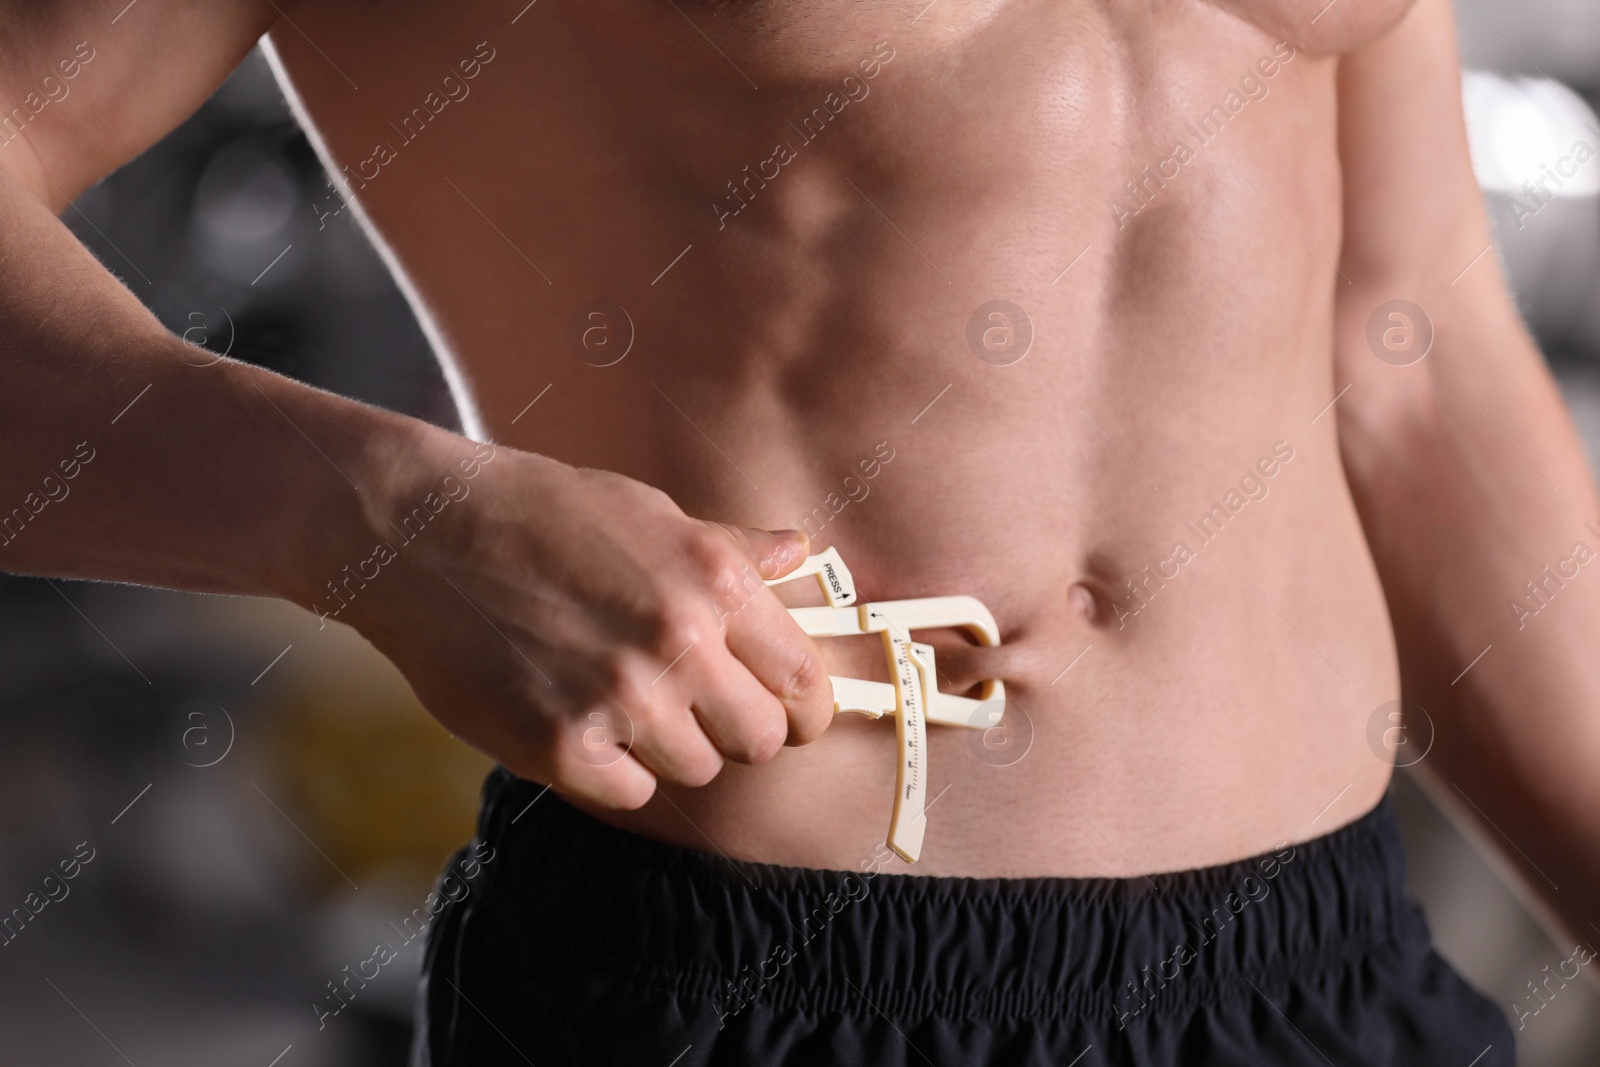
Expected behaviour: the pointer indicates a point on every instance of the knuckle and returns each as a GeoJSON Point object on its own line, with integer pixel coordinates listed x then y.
{"type": "Point", "coordinates": [760, 737]}
{"type": "Point", "coordinates": [640, 714]}
{"type": "Point", "coordinates": [732, 591]}
{"type": "Point", "coordinates": [805, 678]}
{"type": "Point", "coordinates": [736, 537]}
{"type": "Point", "coordinates": [598, 736]}
{"type": "Point", "coordinates": [811, 723]}
{"type": "Point", "coordinates": [608, 785]}
{"type": "Point", "coordinates": [716, 560]}
{"type": "Point", "coordinates": [770, 742]}
{"type": "Point", "coordinates": [629, 687]}
{"type": "Point", "coordinates": [680, 626]}
{"type": "Point", "coordinates": [656, 497]}
{"type": "Point", "coordinates": [701, 770]}
{"type": "Point", "coordinates": [625, 792]}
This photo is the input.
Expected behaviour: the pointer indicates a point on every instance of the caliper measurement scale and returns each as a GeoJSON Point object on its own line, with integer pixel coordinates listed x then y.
{"type": "Point", "coordinates": [913, 697]}
{"type": "Point", "coordinates": [912, 682]}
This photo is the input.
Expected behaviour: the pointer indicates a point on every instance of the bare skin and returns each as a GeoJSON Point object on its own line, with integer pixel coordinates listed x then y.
{"type": "Point", "coordinates": [801, 332]}
{"type": "Point", "coordinates": [1186, 346]}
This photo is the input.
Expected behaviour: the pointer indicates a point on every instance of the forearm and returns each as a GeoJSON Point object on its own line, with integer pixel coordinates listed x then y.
{"type": "Point", "coordinates": [133, 456]}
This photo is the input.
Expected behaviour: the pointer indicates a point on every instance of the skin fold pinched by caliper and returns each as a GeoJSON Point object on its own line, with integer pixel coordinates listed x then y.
{"type": "Point", "coordinates": [913, 697]}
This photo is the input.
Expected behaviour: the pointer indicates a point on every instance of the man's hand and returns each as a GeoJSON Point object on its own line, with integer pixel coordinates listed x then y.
{"type": "Point", "coordinates": [544, 595]}
{"type": "Point", "coordinates": [581, 629]}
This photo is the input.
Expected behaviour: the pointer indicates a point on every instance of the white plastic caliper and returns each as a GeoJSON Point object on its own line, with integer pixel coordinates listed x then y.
{"type": "Point", "coordinates": [913, 698]}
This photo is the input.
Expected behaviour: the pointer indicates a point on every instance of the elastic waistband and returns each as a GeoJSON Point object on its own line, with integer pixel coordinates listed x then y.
{"type": "Point", "coordinates": [597, 898]}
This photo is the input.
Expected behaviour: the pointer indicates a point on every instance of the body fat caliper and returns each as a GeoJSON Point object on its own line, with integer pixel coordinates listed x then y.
{"type": "Point", "coordinates": [913, 697]}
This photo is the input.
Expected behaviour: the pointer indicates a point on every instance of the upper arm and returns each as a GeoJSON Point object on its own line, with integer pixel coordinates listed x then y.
{"type": "Point", "coordinates": [1410, 193]}
{"type": "Point", "coordinates": [1415, 229]}
{"type": "Point", "coordinates": [1464, 464]}
{"type": "Point", "coordinates": [86, 87]}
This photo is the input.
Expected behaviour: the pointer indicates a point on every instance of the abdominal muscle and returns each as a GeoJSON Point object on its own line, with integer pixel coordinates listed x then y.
{"type": "Point", "coordinates": [1218, 712]}
{"type": "Point", "coordinates": [1194, 638]}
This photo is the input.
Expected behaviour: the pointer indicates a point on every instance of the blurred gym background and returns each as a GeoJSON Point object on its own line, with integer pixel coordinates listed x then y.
{"type": "Point", "coordinates": [236, 774]}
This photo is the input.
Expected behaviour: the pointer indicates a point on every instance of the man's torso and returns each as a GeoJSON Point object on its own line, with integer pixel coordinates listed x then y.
{"type": "Point", "coordinates": [789, 218]}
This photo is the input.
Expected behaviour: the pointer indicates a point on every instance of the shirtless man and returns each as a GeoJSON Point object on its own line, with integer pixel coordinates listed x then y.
{"type": "Point", "coordinates": [1225, 498]}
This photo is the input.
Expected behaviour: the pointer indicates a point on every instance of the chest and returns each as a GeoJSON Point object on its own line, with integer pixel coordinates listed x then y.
{"type": "Point", "coordinates": [775, 45]}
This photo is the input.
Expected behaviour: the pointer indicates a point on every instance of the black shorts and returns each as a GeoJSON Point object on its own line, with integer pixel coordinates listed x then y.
{"type": "Point", "coordinates": [577, 943]}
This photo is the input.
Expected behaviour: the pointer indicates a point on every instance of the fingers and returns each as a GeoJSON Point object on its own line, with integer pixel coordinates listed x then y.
{"type": "Point", "coordinates": [614, 754]}
{"type": "Point", "coordinates": [785, 662]}
{"type": "Point", "coordinates": [669, 741]}
{"type": "Point", "coordinates": [773, 553]}
{"type": "Point", "coordinates": [745, 721]}
{"type": "Point", "coordinates": [700, 708]}
{"type": "Point", "coordinates": [744, 707]}
{"type": "Point", "coordinates": [760, 633]}
{"type": "Point", "coordinates": [622, 783]}
{"type": "Point", "coordinates": [701, 693]}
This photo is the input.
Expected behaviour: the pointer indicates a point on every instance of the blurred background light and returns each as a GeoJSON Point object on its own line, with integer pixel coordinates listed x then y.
{"type": "Point", "coordinates": [1536, 150]}
{"type": "Point", "coordinates": [243, 204]}
{"type": "Point", "coordinates": [1522, 129]}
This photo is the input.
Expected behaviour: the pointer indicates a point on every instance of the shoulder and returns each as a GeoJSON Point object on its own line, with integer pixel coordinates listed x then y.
{"type": "Point", "coordinates": [85, 88]}
{"type": "Point", "coordinates": [1321, 27]}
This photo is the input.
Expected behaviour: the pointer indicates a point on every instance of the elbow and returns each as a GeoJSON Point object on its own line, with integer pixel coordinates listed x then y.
{"type": "Point", "coordinates": [20, 162]}
{"type": "Point", "coordinates": [1391, 419]}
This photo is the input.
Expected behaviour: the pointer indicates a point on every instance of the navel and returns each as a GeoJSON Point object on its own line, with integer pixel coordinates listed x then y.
{"type": "Point", "coordinates": [1084, 604]}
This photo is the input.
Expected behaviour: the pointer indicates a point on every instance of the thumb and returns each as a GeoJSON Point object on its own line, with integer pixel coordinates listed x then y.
{"type": "Point", "coordinates": [773, 553]}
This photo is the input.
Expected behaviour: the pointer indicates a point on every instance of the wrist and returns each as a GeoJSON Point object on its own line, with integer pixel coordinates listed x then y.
{"type": "Point", "coordinates": [386, 466]}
